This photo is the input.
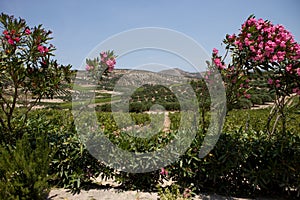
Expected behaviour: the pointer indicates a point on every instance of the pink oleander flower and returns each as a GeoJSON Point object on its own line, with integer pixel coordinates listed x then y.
{"type": "Point", "coordinates": [298, 71]}
{"type": "Point", "coordinates": [215, 51]}
{"type": "Point", "coordinates": [296, 90]}
{"type": "Point", "coordinates": [89, 68]}
{"type": "Point", "coordinates": [40, 48]}
{"type": "Point", "coordinates": [5, 32]}
{"type": "Point", "coordinates": [110, 62]}
{"type": "Point", "coordinates": [10, 41]}
{"type": "Point", "coordinates": [277, 85]}
{"type": "Point", "coordinates": [259, 57]}
{"type": "Point", "coordinates": [103, 54]}
{"type": "Point", "coordinates": [43, 49]}
{"type": "Point", "coordinates": [111, 68]}
{"type": "Point", "coordinates": [218, 63]}
{"type": "Point", "coordinates": [231, 37]}
{"type": "Point", "coordinates": [163, 172]}
{"type": "Point", "coordinates": [237, 42]}
{"type": "Point", "coordinates": [17, 39]}
{"type": "Point", "coordinates": [247, 42]}
{"type": "Point", "coordinates": [274, 58]}
{"type": "Point", "coordinates": [252, 48]}
{"type": "Point", "coordinates": [289, 68]}
{"type": "Point", "coordinates": [282, 44]}
{"type": "Point", "coordinates": [269, 49]}
{"type": "Point", "coordinates": [270, 81]}
{"type": "Point", "coordinates": [271, 44]}
{"type": "Point", "coordinates": [247, 96]}
{"type": "Point", "coordinates": [27, 31]}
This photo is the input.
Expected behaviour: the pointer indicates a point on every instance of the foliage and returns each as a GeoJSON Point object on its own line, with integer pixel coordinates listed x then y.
{"type": "Point", "coordinates": [174, 193]}
{"type": "Point", "coordinates": [244, 164]}
{"type": "Point", "coordinates": [27, 72]}
{"type": "Point", "coordinates": [71, 165]}
{"type": "Point", "coordinates": [203, 97]}
{"type": "Point", "coordinates": [24, 168]}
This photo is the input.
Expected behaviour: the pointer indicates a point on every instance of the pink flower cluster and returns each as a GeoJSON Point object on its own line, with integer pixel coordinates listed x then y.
{"type": "Point", "coordinates": [217, 59]}
{"type": "Point", "coordinates": [12, 37]}
{"type": "Point", "coordinates": [27, 31]}
{"type": "Point", "coordinates": [263, 44]}
{"type": "Point", "coordinates": [266, 42]}
{"type": "Point", "coordinates": [296, 91]}
{"type": "Point", "coordinates": [108, 60]}
{"type": "Point", "coordinates": [276, 83]}
{"type": "Point", "coordinates": [89, 67]}
{"type": "Point", "coordinates": [163, 172]}
{"type": "Point", "coordinates": [43, 49]}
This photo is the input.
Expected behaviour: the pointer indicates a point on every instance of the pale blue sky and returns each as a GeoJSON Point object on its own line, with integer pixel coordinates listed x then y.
{"type": "Point", "coordinates": [79, 26]}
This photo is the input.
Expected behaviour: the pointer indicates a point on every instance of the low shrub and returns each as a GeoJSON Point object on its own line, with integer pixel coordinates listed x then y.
{"type": "Point", "coordinates": [256, 99]}
{"type": "Point", "coordinates": [174, 192]}
{"type": "Point", "coordinates": [244, 163]}
{"type": "Point", "coordinates": [71, 165]}
{"type": "Point", "coordinates": [243, 104]}
{"type": "Point", "coordinates": [24, 169]}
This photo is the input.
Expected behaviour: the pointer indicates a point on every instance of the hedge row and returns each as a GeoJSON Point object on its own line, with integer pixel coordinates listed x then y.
{"type": "Point", "coordinates": [245, 162]}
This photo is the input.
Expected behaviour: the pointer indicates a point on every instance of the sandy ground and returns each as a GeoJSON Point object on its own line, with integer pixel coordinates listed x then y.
{"type": "Point", "coordinates": [110, 191]}
{"type": "Point", "coordinates": [113, 194]}
{"type": "Point", "coordinates": [103, 194]}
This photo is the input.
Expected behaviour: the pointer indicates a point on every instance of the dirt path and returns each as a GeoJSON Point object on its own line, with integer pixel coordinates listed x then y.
{"type": "Point", "coordinates": [167, 123]}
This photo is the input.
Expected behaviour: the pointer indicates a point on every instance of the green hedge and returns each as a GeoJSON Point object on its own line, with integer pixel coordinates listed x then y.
{"type": "Point", "coordinates": [246, 161]}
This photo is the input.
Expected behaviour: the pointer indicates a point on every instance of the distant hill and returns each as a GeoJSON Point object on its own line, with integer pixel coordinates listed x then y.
{"type": "Point", "coordinates": [169, 72]}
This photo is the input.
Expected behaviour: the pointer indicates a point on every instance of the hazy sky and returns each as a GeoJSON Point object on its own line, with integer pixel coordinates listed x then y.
{"type": "Point", "coordinates": [79, 26]}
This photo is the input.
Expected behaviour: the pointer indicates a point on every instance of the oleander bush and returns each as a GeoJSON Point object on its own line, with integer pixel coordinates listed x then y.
{"type": "Point", "coordinates": [244, 164]}
{"type": "Point", "coordinates": [71, 166]}
{"type": "Point", "coordinates": [246, 161]}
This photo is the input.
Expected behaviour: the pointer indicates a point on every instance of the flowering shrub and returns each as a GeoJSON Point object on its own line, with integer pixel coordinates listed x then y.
{"type": "Point", "coordinates": [235, 81]}
{"type": "Point", "coordinates": [264, 48]}
{"type": "Point", "coordinates": [99, 68]}
{"type": "Point", "coordinates": [27, 72]}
